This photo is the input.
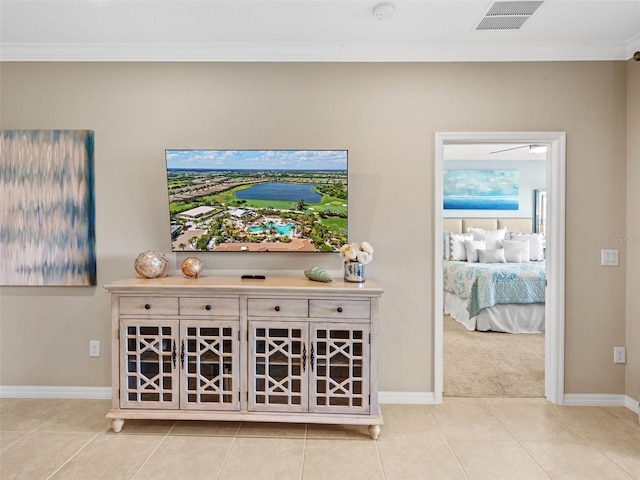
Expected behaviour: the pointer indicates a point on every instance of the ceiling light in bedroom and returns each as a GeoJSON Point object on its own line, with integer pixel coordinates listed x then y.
{"type": "Point", "coordinates": [532, 149]}
{"type": "Point", "coordinates": [538, 148]}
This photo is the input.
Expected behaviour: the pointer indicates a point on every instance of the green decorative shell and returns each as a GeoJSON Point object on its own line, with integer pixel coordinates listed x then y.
{"type": "Point", "coordinates": [317, 274]}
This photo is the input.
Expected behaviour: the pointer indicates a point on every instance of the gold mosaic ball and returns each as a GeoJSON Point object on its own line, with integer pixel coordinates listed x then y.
{"type": "Point", "coordinates": [192, 267]}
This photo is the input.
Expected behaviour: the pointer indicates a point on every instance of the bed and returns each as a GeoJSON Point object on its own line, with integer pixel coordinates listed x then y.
{"type": "Point", "coordinates": [492, 288]}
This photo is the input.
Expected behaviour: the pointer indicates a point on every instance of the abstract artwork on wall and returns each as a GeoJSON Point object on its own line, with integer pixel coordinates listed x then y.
{"type": "Point", "coordinates": [47, 234]}
{"type": "Point", "coordinates": [481, 189]}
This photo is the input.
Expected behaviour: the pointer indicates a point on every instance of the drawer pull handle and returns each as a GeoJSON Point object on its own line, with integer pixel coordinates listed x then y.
{"type": "Point", "coordinates": [207, 307]}
{"type": "Point", "coordinates": [339, 309]}
{"type": "Point", "coordinates": [304, 357]}
{"type": "Point", "coordinates": [277, 309]}
{"type": "Point", "coordinates": [173, 354]}
{"type": "Point", "coordinates": [147, 306]}
{"type": "Point", "coordinates": [312, 356]}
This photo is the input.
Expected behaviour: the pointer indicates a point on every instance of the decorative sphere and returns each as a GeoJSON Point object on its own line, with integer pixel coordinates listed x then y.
{"type": "Point", "coordinates": [192, 267]}
{"type": "Point", "coordinates": [151, 264]}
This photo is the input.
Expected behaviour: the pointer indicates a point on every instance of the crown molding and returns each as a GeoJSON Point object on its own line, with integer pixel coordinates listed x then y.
{"type": "Point", "coordinates": [633, 46]}
{"type": "Point", "coordinates": [313, 52]}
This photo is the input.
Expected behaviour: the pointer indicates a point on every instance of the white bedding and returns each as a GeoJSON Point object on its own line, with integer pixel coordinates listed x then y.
{"type": "Point", "coordinates": [502, 297]}
{"type": "Point", "coordinates": [508, 318]}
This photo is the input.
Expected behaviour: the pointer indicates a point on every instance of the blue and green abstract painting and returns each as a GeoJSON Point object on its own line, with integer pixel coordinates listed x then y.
{"type": "Point", "coordinates": [47, 211]}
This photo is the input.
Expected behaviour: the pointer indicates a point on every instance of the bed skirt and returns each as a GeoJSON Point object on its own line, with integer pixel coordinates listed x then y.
{"type": "Point", "coordinates": [508, 318]}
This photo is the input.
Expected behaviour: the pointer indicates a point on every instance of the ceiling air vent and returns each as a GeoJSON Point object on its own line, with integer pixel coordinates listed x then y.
{"type": "Point", "coordinates": [507, 15]}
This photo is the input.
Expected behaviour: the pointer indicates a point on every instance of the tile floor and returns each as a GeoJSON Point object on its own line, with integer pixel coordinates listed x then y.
{"type": "Point", "coordinates": [460, 439]}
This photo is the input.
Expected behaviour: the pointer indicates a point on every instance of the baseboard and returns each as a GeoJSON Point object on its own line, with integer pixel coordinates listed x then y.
{"type": "Point", "coordinates": [586, 400]}
{"type": "Point", "coordinates": [11, 391]}
{"type": "Point", "coordinates": [601, 400]}
{"type": "Point", "coordinates": [632, 404]}
{"type": "Point", "coordinates": [408, 398]}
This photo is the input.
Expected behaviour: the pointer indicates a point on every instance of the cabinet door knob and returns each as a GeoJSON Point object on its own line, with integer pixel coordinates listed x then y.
{"type": "Point", "coordinates": [207, 307]}
{"type": "Point", "coordinates": [147, 306]}
{"type": "Point", "coordinates": [277, 309]}
{"type": "Point", "coordinates": [339, 309]}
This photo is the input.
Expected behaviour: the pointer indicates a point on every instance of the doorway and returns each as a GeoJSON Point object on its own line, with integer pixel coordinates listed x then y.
{"type": "Point", "coordinates": [554, 296]}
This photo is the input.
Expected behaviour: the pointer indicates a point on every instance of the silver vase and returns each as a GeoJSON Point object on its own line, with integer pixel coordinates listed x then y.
{"type": "Point", "coordinates": [354, 272]}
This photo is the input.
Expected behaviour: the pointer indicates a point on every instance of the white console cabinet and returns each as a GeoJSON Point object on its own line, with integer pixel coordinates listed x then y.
{"type": "Point", "coordinates": [282, 349]}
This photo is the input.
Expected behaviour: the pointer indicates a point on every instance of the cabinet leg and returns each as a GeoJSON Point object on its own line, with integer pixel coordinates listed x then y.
{"type": "Point", "coordinates": [374, 431]}
{"type": "Point", "coordinates": [116, 424]}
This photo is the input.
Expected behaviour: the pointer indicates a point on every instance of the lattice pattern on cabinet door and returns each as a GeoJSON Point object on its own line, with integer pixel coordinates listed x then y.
{"type": "Point", "coordinates": [149, 352]}
{"type": "Point", "coordinates": [340, 368]}
{"type": "Point", "coordinates": [279, 377]}
{"type": "Point", "coordinates": [209, 365]}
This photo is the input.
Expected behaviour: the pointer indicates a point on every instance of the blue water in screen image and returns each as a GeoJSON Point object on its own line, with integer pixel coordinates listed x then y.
{"type": "Point", "coordinates": [290, 192]}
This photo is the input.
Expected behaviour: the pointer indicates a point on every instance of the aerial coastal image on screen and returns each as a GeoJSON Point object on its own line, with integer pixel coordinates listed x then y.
{"type": "Point", "coordinates": [257, 200]}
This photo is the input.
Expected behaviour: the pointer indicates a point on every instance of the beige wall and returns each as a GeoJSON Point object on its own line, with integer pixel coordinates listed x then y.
{"type": "Point", "coordinates": [633, 229]}
{"type": "Point", "coordinates": [386, 115]}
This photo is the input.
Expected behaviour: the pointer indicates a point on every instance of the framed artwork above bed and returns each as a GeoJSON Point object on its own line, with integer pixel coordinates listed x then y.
{"type": "Point", "coordinates": [466, 189]}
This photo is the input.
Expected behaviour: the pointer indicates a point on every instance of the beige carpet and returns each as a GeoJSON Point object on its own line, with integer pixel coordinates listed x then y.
{"type": "Point", "coordinates": [491, 364]}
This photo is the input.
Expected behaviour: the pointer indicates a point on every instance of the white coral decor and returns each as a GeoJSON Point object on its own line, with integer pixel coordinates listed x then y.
{"type": "Point", "coordinates": [353, 252]}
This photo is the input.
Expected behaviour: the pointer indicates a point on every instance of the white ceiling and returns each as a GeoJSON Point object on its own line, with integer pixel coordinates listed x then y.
{"type": "Point", "coordinates": [491, 151]}
{"type": "Point", "coordinates": [310, 30]}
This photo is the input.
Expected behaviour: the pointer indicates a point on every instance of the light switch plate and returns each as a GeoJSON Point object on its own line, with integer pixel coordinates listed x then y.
{"type": "Point", "coordinates": [609, 258]}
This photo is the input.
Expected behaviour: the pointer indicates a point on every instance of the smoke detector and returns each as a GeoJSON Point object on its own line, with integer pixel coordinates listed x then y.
{"type": "Point", "coordinates": [384, 11]}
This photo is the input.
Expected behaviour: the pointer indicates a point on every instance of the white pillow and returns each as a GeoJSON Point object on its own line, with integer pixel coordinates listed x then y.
{"type": "Point", "coordinates": [457, 251]}
{"type": "Point", "coordinates": [492, 237]}
{"type": "Point", "coordinates": [446, 245]}
{"type": "Point", "coordinates": [472, 247]}
{"type": "Point", "coordinates": [536, 244]}
{"type": "Point", "coordinates": [516, 251]}
{"type": "Point", "coordinates": [492, 256]}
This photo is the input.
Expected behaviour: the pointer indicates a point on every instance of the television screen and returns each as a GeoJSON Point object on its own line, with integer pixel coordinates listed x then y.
{"type": "Point", "coordinates": [257, 200]}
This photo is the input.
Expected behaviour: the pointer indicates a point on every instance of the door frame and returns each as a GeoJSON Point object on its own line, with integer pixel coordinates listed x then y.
{"type": "Point", "coordinates": [555, 259]}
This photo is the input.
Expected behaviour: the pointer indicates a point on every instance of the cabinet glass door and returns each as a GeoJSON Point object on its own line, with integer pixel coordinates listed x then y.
{"type": "Point", "coordinates": [209, 365]}
{"type": "Point", "coordinates": [339, 368]}
{"type": "Point", "coordinates": [149, 378]}
{"type": "Point", "coordinates": [278, 377]}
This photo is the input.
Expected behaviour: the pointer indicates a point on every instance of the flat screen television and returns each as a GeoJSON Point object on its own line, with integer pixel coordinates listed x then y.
{"type": "Point", "coordinates": [257, 200]}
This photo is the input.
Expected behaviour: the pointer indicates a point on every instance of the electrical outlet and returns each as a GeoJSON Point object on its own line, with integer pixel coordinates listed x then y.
{"type": "Point", "coordinates": [619, 355]}
{"type": "Point", "coordinates": [94, 348]}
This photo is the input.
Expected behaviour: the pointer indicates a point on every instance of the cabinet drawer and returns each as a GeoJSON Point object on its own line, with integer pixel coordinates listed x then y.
{"type": "Point", "coordinates": [277, 307]}
{"type": "Point", "coordinates": [149, 305]}
{"type": "Point", "coordinates": [340, 309]}
{"type": "Point", "coordinates": [211, 306]}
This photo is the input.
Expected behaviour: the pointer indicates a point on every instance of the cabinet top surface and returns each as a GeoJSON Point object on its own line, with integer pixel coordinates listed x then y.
{"type": "Point", "coordinates": [271, 284]}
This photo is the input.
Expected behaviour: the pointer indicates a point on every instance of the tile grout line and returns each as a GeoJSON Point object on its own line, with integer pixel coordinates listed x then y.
{"type": "Point", "coordinates": [384, 475]}
{"type": "Point", "coordinates": [304, 450]}
{"type": "Point", "coordinates": [595, 446]}
{"type": "Point", "coordinates": [76, 453]}
{"type": "Point", "coordinates": [154, 450]}
{"type": "Point", "coordinates": [453, 452]}
{"type": "Point", "coordinates": [26, 432]}
{"type": "Point", "coordinates": [224, 462]}
{"type": "Point", "coordinates": [16, 440]}
{"type": "Point", "coordinates": [522, 446]}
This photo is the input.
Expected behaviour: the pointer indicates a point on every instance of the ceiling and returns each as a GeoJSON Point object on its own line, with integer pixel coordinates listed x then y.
{"type": "Point", "coordinates": [308, 30]}
{"type": "Point", "coordinates": [492, 151]}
